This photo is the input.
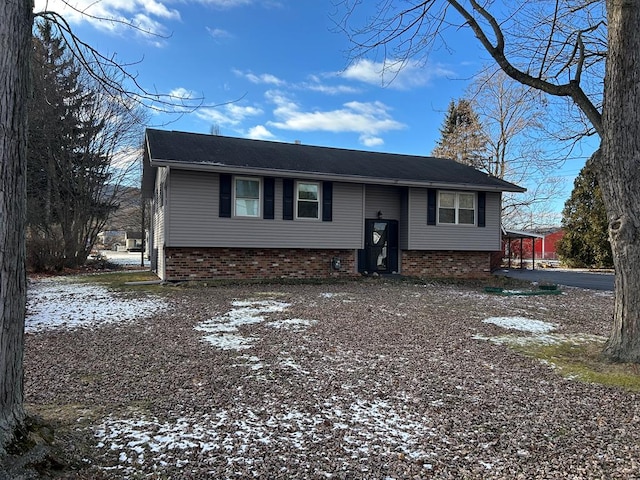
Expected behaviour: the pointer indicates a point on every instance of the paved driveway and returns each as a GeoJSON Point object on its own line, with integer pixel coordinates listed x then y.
{"type": "Point", "coordinates": [572, 278]}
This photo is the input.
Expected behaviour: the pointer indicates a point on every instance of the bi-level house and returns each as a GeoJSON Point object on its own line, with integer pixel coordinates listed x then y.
{"type": "Point", "coordinates": [231, 208]}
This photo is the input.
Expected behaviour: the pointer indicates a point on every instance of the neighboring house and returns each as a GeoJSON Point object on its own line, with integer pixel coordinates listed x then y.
{"type": "Point", "coordinates": [111, 238]}
{"type": "Point", "coordinates": [227, 207]}
{"type": "Point", "coordinates": [133, 241]}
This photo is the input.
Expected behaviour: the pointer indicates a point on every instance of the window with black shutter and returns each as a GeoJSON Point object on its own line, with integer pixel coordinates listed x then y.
{"type": "Point", "coordinates": [287, 199]}
{"type": "Point", "coordinates": [327, 201]}
{"type": "Point", "coordinates": [225, 195]}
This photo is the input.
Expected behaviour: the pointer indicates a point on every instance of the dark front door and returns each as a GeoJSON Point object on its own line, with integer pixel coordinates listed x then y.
{"type": "Point", "coordinates": [380, 252]}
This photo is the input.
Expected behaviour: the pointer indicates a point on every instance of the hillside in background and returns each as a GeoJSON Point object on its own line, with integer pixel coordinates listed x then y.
{"type": "Point", "coordinates": [128, 216]}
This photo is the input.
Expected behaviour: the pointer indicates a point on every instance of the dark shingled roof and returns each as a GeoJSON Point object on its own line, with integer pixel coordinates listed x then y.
{"type": "Point", "coordinates": [211, 152]}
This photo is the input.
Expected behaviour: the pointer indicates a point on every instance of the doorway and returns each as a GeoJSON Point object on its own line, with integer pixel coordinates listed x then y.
{"type": "Point", "coordinates": [380, 253]}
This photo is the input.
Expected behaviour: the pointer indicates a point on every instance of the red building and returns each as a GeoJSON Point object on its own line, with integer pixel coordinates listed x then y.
{"type": "Point", "coordinates": [520, 247]}
{"type": "Point", "coordinates": [546, 247]}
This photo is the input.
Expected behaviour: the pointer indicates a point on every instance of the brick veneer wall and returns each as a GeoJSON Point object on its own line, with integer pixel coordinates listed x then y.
{"type": "Point", "coordinates": [253, 263]}
{"type": "Point", "coordinates": [446, 264]}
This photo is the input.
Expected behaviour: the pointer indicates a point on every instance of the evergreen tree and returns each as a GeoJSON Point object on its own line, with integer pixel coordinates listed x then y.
{"type": "Point", "coordinates": [585, 242]}
{"type": "Point", "coordinates": [462, 137]}
{"type": "Point", "coordinates": [75, 129]}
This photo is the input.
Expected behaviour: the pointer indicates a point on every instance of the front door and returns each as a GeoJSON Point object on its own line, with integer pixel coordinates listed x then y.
{"type": "Point", "coordinates": [380, 254]}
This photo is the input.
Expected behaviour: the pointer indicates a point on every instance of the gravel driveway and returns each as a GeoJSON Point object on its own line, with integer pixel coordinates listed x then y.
{"type": "Point", "coordinates": [361, 380]}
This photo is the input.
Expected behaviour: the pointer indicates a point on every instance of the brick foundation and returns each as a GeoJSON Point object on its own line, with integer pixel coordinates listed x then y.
{"type": "Point", "coordinates": [253, 263]}
{"type": "Point", "coordinates": [446, 264]}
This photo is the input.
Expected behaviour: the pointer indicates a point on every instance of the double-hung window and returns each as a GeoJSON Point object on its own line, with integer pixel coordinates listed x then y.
{"type": "Point", "coordinates": [246, 193]}
{"type": "Point", "coordinates": [457, 208]}
{"type": "Point", "coordinates": [308, 200]}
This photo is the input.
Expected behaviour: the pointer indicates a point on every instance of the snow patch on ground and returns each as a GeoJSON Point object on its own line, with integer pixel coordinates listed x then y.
{"type": "Point", "coordinates": [541, 333]}
{"type": "Point", "coordinates": [68, 304]}
{"type": "Point", "coordinates": [223, 331]}
{"type": "Point", "coordinates": [292, 323]}
{"type": "Point", "coordinates": [365, 428]}
{"type": "Point", "coordinates": [522, 324]}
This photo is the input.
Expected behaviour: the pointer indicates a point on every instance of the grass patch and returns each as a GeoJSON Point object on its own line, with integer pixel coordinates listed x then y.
{"type": "Point", "coordinates": [583, 361]}
{"type": "Point", "coordinates": [118, 280]}
{"type": "Point", "coordinates": [229, 282]}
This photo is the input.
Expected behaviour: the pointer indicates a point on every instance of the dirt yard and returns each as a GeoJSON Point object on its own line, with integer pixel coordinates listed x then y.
{"type": "Point", "coordinates": [372, 379]}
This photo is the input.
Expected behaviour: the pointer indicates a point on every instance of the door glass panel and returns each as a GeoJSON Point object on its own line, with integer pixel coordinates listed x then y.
{"type": "Point", "coordinates": [380, 241]}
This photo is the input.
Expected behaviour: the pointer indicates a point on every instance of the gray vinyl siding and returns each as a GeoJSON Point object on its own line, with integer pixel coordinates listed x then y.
{"type": "Point", "coordinates": [452, 237]}
{"type": "Point", "coordinates": [385, 199]}
{"type": "Point", "coordinates": [194, 219]}
{"type": "Point", "coordinates": [159, 220]}
{"type": "Point", "coordinates": [404, 226]}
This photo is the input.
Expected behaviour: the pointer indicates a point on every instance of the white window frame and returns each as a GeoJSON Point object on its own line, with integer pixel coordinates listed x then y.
{"type": "Point", "coordinates": [298, 199]}
{"type": "Point", "coordinates": [457, 208]}
{"type": "Point", "coordinates": [235, 197]}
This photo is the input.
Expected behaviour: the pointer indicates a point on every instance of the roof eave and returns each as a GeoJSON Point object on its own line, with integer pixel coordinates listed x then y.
{"type": "Point", "coordinates": [217, 167]}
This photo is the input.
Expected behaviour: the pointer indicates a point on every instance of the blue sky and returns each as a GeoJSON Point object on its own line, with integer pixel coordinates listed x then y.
{"type": "Point", "coordinates": [286, 71]}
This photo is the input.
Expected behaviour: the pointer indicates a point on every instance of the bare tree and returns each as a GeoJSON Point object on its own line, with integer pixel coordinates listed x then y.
{"type": "Point", "coordinates": [83, 140]}
{"type": "Point", "coordinates": [557, 47]}
{"type": "Point", "coordinates": [514, 119]}
{"type": "Point", "coordinates": [15, 44]}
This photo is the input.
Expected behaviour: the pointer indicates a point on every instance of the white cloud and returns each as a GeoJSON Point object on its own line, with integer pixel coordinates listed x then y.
{"type": "Point", "coordinates": [314, 83]}
{"type": "Point", "coordinates": [228, 115]}
{"type": "Point", "coordinates": [160, 10]}
{"type": "Point", "coordinates": [219, 33]}
{"type": "Point", "coordinates": [115, 15]}
{"type": "Point", "coordinates": [261, 79]}
{"type": "Point", "coordinates": [260, 132]}
{"type": "Point", "coordinates": [370, 141]}
{"type": "Point", "coordinates": [394, 74]}
{"type": "Point", "coordinates": [226, 3]}
{"type": "Point", "coordinates": [369, 119]}
{"type": "Point", "coordinates": [328, 89]}
{"type": "Point", "coordinates": [183, 94]}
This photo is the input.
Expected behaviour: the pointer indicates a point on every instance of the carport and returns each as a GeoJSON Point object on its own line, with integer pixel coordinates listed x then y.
{"type": "Point", "coordinates": [510, 236]}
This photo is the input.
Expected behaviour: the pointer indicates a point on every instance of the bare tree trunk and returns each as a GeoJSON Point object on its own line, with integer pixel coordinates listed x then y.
{"type": "Point", "coordinates": [15, 41]}
{"type": "Point", "coordinates": [619, 173]}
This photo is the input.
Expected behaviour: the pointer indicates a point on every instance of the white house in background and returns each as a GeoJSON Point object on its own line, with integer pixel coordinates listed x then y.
{"type": "Point", "coordinates": [226, 207]}
{"type": "Point", "coordinates": [133, 241]}
{"type": "Point", "coordinates": [111, 238]}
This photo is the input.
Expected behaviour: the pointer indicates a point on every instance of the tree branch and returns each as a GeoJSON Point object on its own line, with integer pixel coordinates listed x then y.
{"type": "Point", "coordinates": [570, 89]}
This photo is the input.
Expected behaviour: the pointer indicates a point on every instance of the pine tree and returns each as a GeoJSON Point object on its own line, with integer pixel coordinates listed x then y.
{"type": "Point", "coordinates": [71, 143]}
{"type": "Point", "coordinates": [585, 242]}
{"type": "Point", "coordinates": [461, 136]}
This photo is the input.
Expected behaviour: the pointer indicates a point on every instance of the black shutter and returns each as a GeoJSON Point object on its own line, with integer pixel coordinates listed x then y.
{"type": "Point", "coordinates": [225, 195]}
{"type": "Point", "coordinates": [431, 206]}
{"type": "Point", "coordinates": [287, 199]}
{"type": "Point", "coordinates": [482, 208]}
{"type": "Point", "coordinates": [269, 194]}
{"type": "Point", "coordinates": [327, 201]}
